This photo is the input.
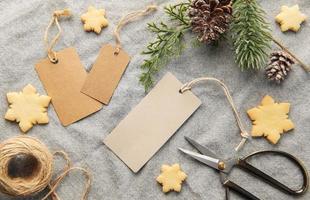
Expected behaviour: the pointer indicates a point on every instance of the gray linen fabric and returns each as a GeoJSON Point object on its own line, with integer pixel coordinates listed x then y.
{"type": "Point", "coordinates": [21, 45]}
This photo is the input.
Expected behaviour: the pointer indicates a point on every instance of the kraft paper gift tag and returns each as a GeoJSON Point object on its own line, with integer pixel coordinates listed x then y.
{"type": "Point", "coordinates": [63, 75]}
{"type": "Point", "coordinates": [106, 73]}
{"type": "Point", "coordinates": [111, 63]}
{"type": "Point", "coordinates": [151, 123]}
{"type": "Point", "coordinates": [63, 81]}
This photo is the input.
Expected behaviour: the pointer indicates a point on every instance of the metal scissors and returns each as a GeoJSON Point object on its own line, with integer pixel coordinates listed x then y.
{"type": "Point", "coordinates": [224, 167]}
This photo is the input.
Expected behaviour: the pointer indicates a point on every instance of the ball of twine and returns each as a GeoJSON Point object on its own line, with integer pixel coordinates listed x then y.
{"type": "Point", "coordinates": [39, 180]}
{"type": "Point", "coordinates": [40, 177]}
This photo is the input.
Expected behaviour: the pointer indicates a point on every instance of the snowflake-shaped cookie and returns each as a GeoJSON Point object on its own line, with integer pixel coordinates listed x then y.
{"type": "Point", "coordinates": [27, 108]}
{"type": "Point", "coordinates": [171, 177]}
{"type": "Point", "coordinates": [270, 119]}
{"type": "Point", "coordinates": [290, 18]}
{"type": "Point", "coordinates": [94, 20]}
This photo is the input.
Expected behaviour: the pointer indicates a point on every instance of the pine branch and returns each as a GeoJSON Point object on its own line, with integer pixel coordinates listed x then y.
{"type": "Point", "coordinates": [168, 43]}
{"type": "Point", "coordinates": [251, 34]}
{"type": "Point", "coordinates": [178, 13]}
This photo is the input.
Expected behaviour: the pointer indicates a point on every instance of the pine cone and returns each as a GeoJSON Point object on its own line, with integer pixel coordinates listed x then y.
{"type": "Point", "coordinates": [210, 18]}
{"type": "Point", "coordinates": [279, 66]}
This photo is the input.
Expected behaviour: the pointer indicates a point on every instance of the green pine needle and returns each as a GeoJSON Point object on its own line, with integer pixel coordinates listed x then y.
{"type": "Point", "coordinates": [169, 43]}
{"type": "Point", "coordinates": [251, 34]}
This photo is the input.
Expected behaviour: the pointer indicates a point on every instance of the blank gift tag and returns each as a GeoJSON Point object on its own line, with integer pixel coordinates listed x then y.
{"type": "Point", "coordinates": [106, 73]}
{"type": "Point", "coordinates": [63, 82]}
{"type": "Point", "coordinates": [152, 122]}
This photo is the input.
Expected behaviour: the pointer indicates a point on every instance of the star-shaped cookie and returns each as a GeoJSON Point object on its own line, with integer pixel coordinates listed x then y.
{"type": "Point", "coordinates": [27, 108]}
{"type": "Point", "coordinates": [171, 177]}
{"type": "Point", "coordinates": [290, 18]}
{"type": "Point", "coordinates": [94, 20]}
{"type": "Point", "coordinates": [270, 119]}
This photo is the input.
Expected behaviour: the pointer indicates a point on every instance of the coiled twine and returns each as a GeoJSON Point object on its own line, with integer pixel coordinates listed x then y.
{"type": "Point", "coordinates": [39, 180]}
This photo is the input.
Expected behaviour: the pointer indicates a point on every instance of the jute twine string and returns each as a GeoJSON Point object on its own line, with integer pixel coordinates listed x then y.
{"type": "Point", "coordinates": [244, 134]}
{"type": "Point", "coordinates": [61, 177]}
{"type": "Point", "coordinates": [129, 18]}
{"type": "Point", "coordinates": [50, 45]}
{"type": "Point", "coordinates": [68, 165]}
{"type": "Point", "coordinates": [42, 177]}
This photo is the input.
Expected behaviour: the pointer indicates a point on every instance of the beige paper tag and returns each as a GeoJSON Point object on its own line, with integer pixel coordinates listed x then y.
{"type": "Point", "coordinates": [152, 122]}
{"type": "Point", "coordinates": [63, 82]}
{"type": "Point", "coordinates": [105, 74]}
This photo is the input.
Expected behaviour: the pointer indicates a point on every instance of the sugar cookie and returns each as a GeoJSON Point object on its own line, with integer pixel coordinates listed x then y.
{"type": "Point", "coordinates": [290, 18]}
{"type": "Point", "coordinates": [171, 177]}
{"type": "Point", "coordinates": [27, 108]}
{"type": "Point", "coordinates": [270, 119]}
{"type": "Point", "coordinates": [94, 20]}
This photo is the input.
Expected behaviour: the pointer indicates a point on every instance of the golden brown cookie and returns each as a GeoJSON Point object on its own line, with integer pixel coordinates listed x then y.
{"type": "Point", "coordinates": [171, 177]}
{"type": "Point", "coordinates": [94, 20]}
{"type": "Point", "coordinates": [270, 119]}
{"type": "Point", "coordinates": [290, 18]}
{"type": "Point", "coordinates": [27, 108]}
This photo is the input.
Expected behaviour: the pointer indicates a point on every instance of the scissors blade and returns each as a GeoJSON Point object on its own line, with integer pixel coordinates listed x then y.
{"type": "Point", "coordinates": [211, 162]}
{"type": "Point", "coordinates": [202, 149]}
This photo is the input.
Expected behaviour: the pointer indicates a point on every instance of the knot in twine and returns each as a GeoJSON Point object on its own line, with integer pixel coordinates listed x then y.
{"type": "Point", "coordinates": [41, 177]}
{"type": "Point", "coordinates": [59, 13]}
{"type": "Point", "coordinates": [50, 45]}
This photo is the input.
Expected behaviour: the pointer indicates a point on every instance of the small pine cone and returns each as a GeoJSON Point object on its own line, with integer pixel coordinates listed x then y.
{"type": "Point", "coordinates": [210, 18]}
{"type": "Point", "coordinates": [279, 66]}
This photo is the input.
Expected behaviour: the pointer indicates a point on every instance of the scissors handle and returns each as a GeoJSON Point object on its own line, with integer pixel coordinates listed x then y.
{"type": "Point", "coordinates": [239, 190]}
{"type": "Point", "coordinates": [268, 179]}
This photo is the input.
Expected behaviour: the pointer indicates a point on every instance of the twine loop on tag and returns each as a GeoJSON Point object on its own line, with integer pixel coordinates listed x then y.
{"type": "Point", "coordinates": [129, 18]}
{"type": "Point", "coordinates": [50, 45]}
{"type": "Point", "coordinates": [39, 175]}
{"type": "Point", "coordinates": [244, 134]}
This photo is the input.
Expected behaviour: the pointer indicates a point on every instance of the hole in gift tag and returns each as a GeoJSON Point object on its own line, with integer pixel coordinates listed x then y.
{"type": "Point", "coordinates": [116, 52]}
{"type": "Point", "coordinates": [23, 166]}
{"type": "Point", "coordinates": [54, 61]}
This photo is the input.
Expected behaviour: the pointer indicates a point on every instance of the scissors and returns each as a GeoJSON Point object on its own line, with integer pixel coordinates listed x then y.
{"type": "Point", "coordinates": [224, 167]}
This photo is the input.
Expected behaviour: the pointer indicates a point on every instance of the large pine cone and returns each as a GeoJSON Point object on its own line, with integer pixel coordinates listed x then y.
{"type": "Point", "coordinates": [210, 18]}
{"type": "Point", "coordinates": [279, 66]}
